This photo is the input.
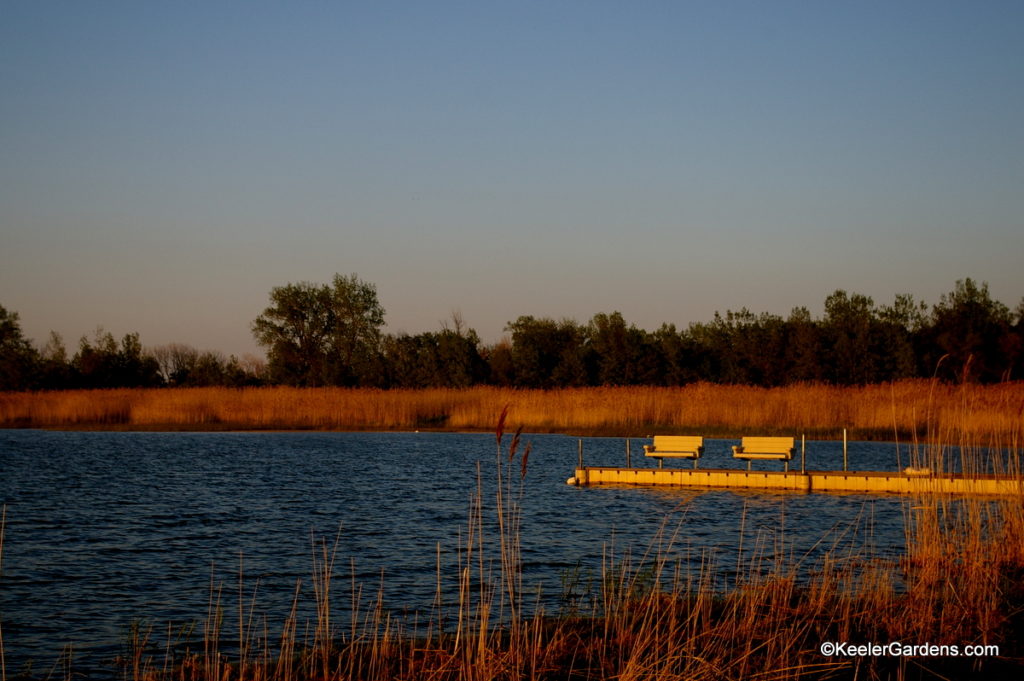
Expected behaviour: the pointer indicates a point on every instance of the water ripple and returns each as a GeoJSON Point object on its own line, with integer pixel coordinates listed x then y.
{"type": "Point", "coordinates": [107, 529]}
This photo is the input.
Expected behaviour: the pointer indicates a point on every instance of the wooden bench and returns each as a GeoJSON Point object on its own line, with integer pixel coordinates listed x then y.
{"type": "Point", "coordinates": [678, 446]}
{"type": "Point", "coordinates": [751, 448]}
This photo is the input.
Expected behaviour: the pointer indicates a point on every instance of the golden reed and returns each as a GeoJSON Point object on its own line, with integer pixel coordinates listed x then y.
{"type": "Point", "coordinates": [911, 408]}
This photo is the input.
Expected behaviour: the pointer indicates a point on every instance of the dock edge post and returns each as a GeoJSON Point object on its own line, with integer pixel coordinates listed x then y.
{"type": "Point", "coordinates": [844, 451]}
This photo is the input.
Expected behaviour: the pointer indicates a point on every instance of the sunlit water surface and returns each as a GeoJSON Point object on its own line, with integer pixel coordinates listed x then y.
{"type": "Point", "coordinates": [109, 529]}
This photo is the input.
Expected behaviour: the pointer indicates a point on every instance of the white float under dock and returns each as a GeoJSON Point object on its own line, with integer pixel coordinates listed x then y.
{"type": "Point", "coordinates": [810, 481]}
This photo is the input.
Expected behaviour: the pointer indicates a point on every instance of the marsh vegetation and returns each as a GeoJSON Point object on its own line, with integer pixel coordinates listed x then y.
{"type": "Point", "coordinates": [906, 410]}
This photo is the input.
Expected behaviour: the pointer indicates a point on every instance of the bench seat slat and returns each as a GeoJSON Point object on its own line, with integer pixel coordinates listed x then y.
{"type": "Point", "coordinates": [765, 448]}
{"type": "Point", "coordinates": [675, 446]}
{"type": "Point", "coordinates": [689, 446]}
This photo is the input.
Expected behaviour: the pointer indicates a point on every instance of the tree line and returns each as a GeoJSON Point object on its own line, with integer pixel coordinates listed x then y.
{"type": "Point", "coordinates": [332, 335]}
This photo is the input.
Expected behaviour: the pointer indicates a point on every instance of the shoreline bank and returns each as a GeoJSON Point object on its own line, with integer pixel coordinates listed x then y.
{"type": "Point", "coordinates": [913, 410]}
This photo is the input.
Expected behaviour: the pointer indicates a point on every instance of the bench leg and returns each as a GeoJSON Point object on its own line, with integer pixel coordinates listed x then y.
{"type": "Point", "coordinates": [748, 465]}
{"type": "Point", "coordinates": [694, 463]}
{"type": "Point", "coordinates": [661, 462]}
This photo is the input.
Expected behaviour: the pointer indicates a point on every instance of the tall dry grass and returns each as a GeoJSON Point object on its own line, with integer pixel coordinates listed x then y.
{"type": "Point", "coordinates": [926, 410]}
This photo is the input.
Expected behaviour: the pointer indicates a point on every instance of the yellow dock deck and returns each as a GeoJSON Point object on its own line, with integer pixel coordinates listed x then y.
{"type": "Point", "coordinates": [810, 481]}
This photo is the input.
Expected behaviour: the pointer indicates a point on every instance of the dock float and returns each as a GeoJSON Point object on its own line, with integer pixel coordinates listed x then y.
{"type": "Point", "coordinates": [809, 481]}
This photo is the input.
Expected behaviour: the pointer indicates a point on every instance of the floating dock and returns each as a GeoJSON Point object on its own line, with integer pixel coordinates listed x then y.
{"type": "Point", "coordinates": [810, 481]}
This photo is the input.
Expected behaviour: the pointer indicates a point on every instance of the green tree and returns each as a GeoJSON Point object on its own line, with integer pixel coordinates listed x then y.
{"type": "Point", "coordinates": [134, 367]}
{"type": "Point", "coordinates": [548, 354]}
{"type": "Point", "coordinates": [458, 355]}
{"type": "Point", "coordinates": [709, 351]}
{"type": "Point", "coordinates": [296, 332]}
{"type": "Point", "coordinates": [448, 358]}
{"type": "Point", "coordinates": [402, 356]}
{"type": "Point", "coordinates": [54, 365]}
{"type": "Point", "coordinates": [624, 355]}
{"type": "Point", "coordinates": [847, 327]}
{"type": "Point", "coordinates": [802, 353]}
{"type": "Point", "coordinates": [500, 365]}
{"type": "Point", "coordinates": [319, 334]}
{"type": "Point", "coordinates": [671, 351]}
{"type": "Point", "coordinates": [105, 364]}
{"type": "Point", "coordinates": [211, 368]}
{"type": "Point", "coordinates": [95, 363]}
{"type": "Point", "coordinates": [759, 343]}
{"type": "Point", "coordinates": [355, 318]}
{"type": "Point", "coordinates": [18, 359]}
{"type": "Point", "coordinates": [894, 339]}
{"type": "Point", "coordinates": [974, 333]}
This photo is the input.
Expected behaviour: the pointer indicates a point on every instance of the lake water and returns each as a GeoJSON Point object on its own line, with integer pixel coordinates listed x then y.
{"type": "Point", "coordinates": [107, 529]}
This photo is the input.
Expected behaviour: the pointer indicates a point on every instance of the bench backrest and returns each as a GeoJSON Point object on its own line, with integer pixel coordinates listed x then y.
{"type": "Point", "coordinates": [678, 443]}
{"type": "Point", "coordinates": [767, 445]}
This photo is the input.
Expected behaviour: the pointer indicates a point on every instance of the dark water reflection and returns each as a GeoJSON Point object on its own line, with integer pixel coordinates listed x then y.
{"type": "Point", "coordinates": [104, 529]}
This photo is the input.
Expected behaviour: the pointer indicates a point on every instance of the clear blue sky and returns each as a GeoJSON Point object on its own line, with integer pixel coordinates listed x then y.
{"type": "Point", "coordinates": [163, 165]}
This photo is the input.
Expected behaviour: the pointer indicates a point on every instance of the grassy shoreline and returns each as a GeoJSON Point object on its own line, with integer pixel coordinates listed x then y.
{"type": "Point", "coordinates": [911, 409]}
{"type": "Point", "coordinates": [721, 433]}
